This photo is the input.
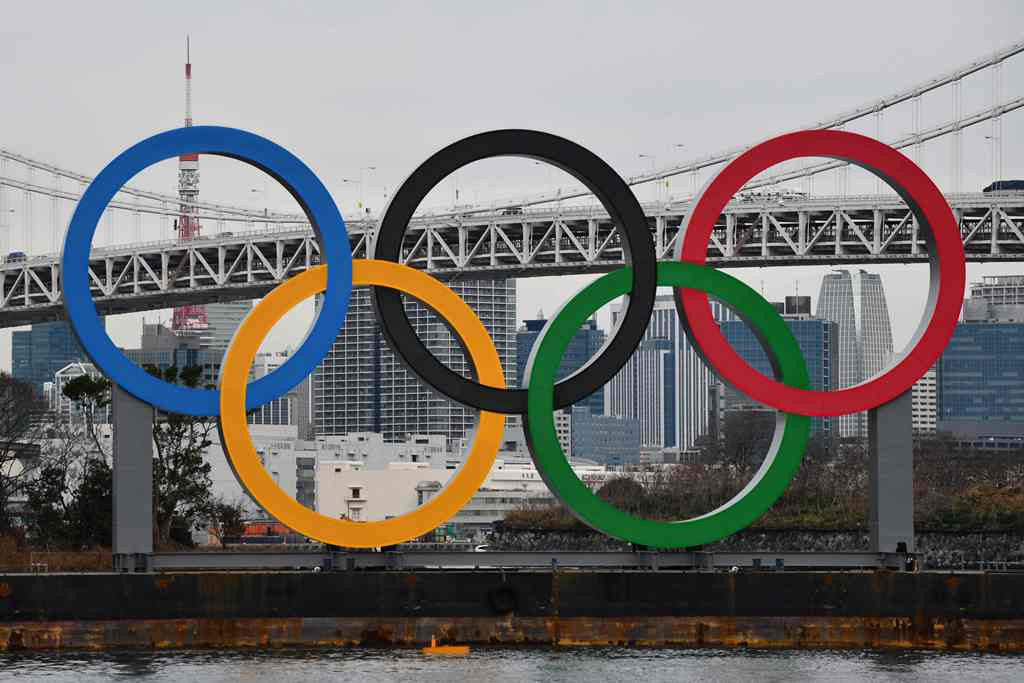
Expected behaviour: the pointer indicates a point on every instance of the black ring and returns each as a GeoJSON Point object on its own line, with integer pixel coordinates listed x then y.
{"type": "Point", "coordinates": [622, 207]}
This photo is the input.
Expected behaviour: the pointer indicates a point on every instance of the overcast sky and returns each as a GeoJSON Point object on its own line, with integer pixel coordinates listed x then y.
{"type": "Point", "coordinates": [347, 87]}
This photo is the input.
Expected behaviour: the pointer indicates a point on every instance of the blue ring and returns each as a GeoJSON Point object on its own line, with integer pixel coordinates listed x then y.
{"type": "Point", "coordinates": [252, 149]}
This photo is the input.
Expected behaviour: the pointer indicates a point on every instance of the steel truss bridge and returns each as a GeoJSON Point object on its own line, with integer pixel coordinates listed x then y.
{"type": "Point", "coordinates": [537, 242]}
{"type": "Point", "coordinates": [528, 236]}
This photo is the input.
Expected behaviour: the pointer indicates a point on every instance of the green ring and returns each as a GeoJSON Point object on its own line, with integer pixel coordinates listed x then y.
{"type": "Point", "coordinates": [771, 480]}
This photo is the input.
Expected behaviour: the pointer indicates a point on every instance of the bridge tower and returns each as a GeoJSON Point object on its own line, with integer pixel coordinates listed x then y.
{"type": "Point", "coordinates": [188, 320]}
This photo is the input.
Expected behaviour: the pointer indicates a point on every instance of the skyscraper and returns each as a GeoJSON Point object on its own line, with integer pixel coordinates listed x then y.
{"type": "Point", "coordinates": [585, 344]}
{"type": "Point", "coordinates": [924, 403]}
{"type": "Point", "coordinates": [819, 343]}
{"type": "Point", "coordinates": [980, 375]}
{"type": "Point", "coordinates": [855, 300]}
{"type": "Point", "coordinates": [361, 386]}
{"type": "Point", "coordinates": [40, 351]}
{"type": "Point", "coordinates": [664, 385]}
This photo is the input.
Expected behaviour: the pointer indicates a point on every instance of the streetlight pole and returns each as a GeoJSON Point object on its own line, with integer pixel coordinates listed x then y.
{"type": "Point", "coordinates": [557, 191]}
{"type": "Point", "coordinates": [657, 188]}
{"type": "Point", "coordinates": [997, 156]}
{"type": "Point", "coordinates": [256, 190]}
{"type": "Point", "coordinates": [362, 170]}
{"type": "Point", "coordinates": [359, 185]}
{"type": "Point", "coordinates": [10, 233]}
{"type": "Point", "coordinates": [677, 146]}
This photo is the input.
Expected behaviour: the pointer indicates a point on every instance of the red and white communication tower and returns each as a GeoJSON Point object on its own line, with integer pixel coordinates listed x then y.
{"type": "Point", "coordinates": [188, 319]}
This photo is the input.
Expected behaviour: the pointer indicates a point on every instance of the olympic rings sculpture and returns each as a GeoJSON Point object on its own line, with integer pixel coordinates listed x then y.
{"type": "Point", "coordinates": [788, 391]}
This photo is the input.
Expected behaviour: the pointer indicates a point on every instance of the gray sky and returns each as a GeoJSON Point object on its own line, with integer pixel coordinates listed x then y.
{"type": "Point", "coordinates": [346, 86]}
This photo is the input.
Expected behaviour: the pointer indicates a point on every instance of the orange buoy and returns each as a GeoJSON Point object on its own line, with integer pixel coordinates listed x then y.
{"type": "Point", "coordinates": [435, 649]}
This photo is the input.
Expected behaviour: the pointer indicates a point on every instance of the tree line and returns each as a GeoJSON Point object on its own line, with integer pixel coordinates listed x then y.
{"type": "Point", "coordinates": [955, 489]}
{"type": "Point", "coordinates": [56, 477]}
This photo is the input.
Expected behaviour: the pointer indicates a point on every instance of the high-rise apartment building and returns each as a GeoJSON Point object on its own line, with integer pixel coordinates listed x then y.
{"type": "Point", "coordinates": [40, 351]}
{"type": "Point", "coordinates": [855, 300]}
{"type": "Point", "coordinates": [665, 385]}
{"type": "Point", "coordinates": [361, 386]}
{"type": "Point", "coordinates": [291, 409]}
{"type": "Point", "coordinates": [585, 344]}
{"type": "Point", "coordinates": [924, 403]}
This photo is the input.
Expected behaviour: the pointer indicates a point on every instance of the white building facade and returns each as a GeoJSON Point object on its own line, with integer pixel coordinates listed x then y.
{"type": "Point", "coordinates": [351, 490]}
{"type": "Point", "coordinates": [924, 400]}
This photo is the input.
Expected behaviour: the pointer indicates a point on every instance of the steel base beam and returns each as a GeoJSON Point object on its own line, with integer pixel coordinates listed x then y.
{"type": "Point", "coordinates": [133, 482]}
{"type": "Point", "coordinates": [347, 561]}
{"type": "Point", "coordinates": [891, 474]}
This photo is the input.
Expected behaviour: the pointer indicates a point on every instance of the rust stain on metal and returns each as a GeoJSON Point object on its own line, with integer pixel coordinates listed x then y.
{"type": "Point", "coordinates": [751, 632]}
{"type": "Point", "coordinates": [961, 613]}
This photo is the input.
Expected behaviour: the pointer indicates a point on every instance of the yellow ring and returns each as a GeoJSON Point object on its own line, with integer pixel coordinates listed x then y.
{"type": "Point", "coordinates": [246, 463]}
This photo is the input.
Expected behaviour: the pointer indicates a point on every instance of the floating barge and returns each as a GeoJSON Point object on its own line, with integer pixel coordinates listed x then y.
{"type": "Point", "coordinates": [757, 609]}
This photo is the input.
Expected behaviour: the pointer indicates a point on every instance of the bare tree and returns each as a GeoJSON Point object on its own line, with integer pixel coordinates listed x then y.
{"type": "Point", "coordinates": [69, 499]}
{"type": "Point", "coordinates": [23, 424]}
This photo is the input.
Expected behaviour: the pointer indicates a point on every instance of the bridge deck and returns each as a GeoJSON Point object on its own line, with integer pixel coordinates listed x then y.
{"type": "Point", "coordinates": [515, 243]}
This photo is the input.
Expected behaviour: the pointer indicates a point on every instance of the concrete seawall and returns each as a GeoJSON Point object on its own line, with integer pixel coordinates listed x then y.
{"type": "Point", "coordinates": [979, 611]}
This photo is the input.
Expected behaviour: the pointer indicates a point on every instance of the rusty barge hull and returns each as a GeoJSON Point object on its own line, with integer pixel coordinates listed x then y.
{"type": "Point", "coordinates": [981, 611]}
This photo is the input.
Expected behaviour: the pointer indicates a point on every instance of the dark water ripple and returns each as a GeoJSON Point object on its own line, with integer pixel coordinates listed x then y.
{"type": "Point", "coordinates": [540, 664]}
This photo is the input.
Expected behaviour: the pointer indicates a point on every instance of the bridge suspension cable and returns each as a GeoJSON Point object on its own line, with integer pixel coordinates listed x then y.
{"type": "Point", "coordinates": [138, 202]}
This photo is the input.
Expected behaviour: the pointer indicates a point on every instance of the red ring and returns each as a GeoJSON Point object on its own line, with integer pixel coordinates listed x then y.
{"type": "Point", "coordinates": [945, 247]}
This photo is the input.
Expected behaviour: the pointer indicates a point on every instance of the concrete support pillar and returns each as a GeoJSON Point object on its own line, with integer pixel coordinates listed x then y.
{"type": "Point", "coordinates": [891, 470]}
{"type": "Point", "coordinates": [133, 481]}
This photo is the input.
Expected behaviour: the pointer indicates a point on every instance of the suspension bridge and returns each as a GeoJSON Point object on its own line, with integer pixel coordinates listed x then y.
{"type": "Point", "coordinates": [246, 252]}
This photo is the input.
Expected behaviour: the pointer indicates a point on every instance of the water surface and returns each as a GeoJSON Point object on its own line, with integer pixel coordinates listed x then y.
{"type": "Point", "coordinates": [594, 665]}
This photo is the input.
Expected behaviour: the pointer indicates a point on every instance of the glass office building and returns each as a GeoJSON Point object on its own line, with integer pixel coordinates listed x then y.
{"type": "Point", "coordinates": [584, 345]}
{"type": "Point", "coordinates": [819, 343]}
{"type": "Point", "coordinates": [222, 321]}
{"type": "Point", "coordinates": [606, 440]}
{"type": "Point", "coordinates": [39, 352]}
{"type": "Point", "coordinates": [665, 385]}
{"type": "Point", "coordinates": [980, 379]}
